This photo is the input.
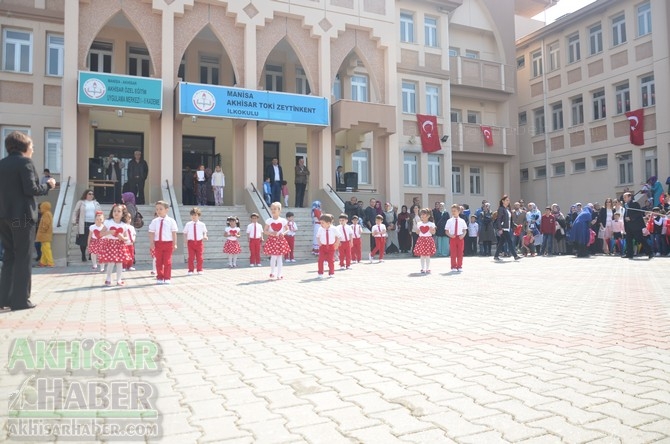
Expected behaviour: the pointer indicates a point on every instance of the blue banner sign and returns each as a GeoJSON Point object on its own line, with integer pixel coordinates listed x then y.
{"type": "Point", "coordinates": [117, 91]}
{"type": "Point", "coordinates": [237, 103]}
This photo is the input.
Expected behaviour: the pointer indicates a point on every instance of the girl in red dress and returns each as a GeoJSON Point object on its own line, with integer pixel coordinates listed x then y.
{"type": "Point", "coordinates": [113, 244]}
{"type": "Point", "coordinates": [232, 245]}
{"type": "Point", "coordinates": [276, 246]}
{"type": "Point", "coordinates": [94, 235]}
{"type": "Point", "coordinates": [425, 245]}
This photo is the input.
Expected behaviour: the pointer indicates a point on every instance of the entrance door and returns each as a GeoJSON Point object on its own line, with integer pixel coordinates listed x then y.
{"type": "Point", "coordinates": [122, 146]}
{"type": "Point", "coordinates": [198, 151]}
{"type": "Point", "coordinates": [270, 151]}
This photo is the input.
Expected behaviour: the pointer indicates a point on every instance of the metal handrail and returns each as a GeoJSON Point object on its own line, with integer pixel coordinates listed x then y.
{"type": "Point", "coordinates": [60, 213]}
{"type": "Point", "coordinates": [335, 192]}
{"type": "Point", "coordinates": [174, 213]}
{"type": "Point", "coordinates": [253, 187]}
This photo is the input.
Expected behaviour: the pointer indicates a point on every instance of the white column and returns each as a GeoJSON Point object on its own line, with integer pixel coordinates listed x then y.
{"type": "Point", "coordinates": [71, 144]}
{"type": "Point", "coordinates": [168, 149]}
{"type": "Point", "coordinates": [250, 145]}
{"type": "Point", "coordinates": [325, 137]}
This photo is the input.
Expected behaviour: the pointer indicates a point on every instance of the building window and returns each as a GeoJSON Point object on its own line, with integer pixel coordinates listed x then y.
{"type": "Point", "coordinates": [650, 163]}
{"type": "Point", "coordinates": [600, 162]}
{"type": "Point", "coordinates": [301, 83]}
{"type": "Point", "coordinates": [557, 116]}
{"type": "Point", "coordinates": [100, 57]}
{"type": "Point", "coordinates": [181, 72]}
{"type": "Point", "coordinates": [554, 56]}
{"type": "Point", "coordinates": [538, 120]}
{"type": "Point", "coordinates": [559, 169]}
{"type": "Point", "coordinates": [579, 165]}
{"type": "Point", "coordinates": [17, 51]}
{"type": "Point", "coordinates": [53, 153]}
{"type": "Point", "coordinates": [540, 172]}
{"type": "Point", "coordinates": [524, 175]}
{"type": "Point", "coordinates": [644, 19]}
{"type": "Point", "coordinates": [409, 97]}
{"type": "Point", "coordinates": [574, 48]}
{"type": "Point", "coordinates": [410, 169]}
{"type": "Point", "coordinates": [470, 54]}
{"type": "Point", "coordinates": [337, 88]}
{"type": "Point", "coordinates": [301, 152]}
{"type": "Point", "coordinates": [360, 163]}
{"type": "Point", "coordinates": [407, 27]}
{"type": "Point", "coordinates": [55, 47]}
{"type": "Point", "coordinates": [596, 39]}
{"type": "Point", "coordinates": [599, 109]}
{"type": "Point", "coordinates": [359, 88]}
{"type": "Point", "coordinates": [648, 87]}
{"type": "Point", "coordinates": [475, 180]}
{"type": "Point", "coordinates": [619, 30]}
{"type": "Point", "coordinates": [457, 179]}
{"type": "Point", "coordinates": [434, 170]}
{"type": "Point", "coordinates": [274, 78]}
{"type": "Point", "coordinates": [209, 71]}
{"type": "Point", "coordinates": [521, 62]}
{"type": "Point", "coordinates": [474, 117]}
{"type": "Point", "coordinates": [430, 31]}
{"type": "Point", "coordinates": [622, 96]}
{"type": "Point", "coordinates": [523, 119]}
{"type": "Point", "coordinates": [536, 57]}
{"type": "Point", "coordinates": [456, 116]}
{"type": "Point", "coordinates": [577, 110]}
{"type": "Point", "coordinates": [433, 100]}
{"type": "Point", "coordinates": [454, 52]}
{"type": "Point", "coordinates": [5, 132]}
{"type": "Point", "coordinates": [625, 162]}
{"type": "Point", "coordinates": [138, 61]}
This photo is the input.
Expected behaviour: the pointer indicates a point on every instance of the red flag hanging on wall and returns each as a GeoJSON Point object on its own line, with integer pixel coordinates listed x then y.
{"type": "Point", "coordinates": [430, 141]}
{"type": "Point", "coordinates": [636, 120]}
{"type": "Point", "coordinates": [488, 135]}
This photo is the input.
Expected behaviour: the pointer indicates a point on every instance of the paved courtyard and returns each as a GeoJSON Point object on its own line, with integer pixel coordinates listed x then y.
{"type": "Point", "coordinates": [542, 350]}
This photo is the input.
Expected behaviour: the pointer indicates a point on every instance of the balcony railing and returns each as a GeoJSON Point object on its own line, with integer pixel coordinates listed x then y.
{"type": "Point", "coordinates": [482, 74]}
{"type": "Point", "coordinates": [467, 137]}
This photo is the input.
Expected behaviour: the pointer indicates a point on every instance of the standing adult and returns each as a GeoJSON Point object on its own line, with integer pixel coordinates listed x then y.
{"type": "Point", "coordinates": [113, 168]}
{"type": "Point", "coordinates": [370, 216]}
{"type": "Point", "coordinates": [276, 175]}
{"type": "Point", "coordinates": [391, 222]}
{"type": "Point", "coordinates": [351, 208]}
{"type": "Point", "coordinates": [581, 231]}
{"type": "Point", "coordinates": [339, 179]}
{"type": "Point", "coordinates": [519, 221]}
{"type": "Point", "coordinates": [83, 217]}
{"type": "Point", "coordinates": [138, 171]}
{"type": "Point", "coordinates": [655, 189]}
{"type": "Point", "coordinates": [633, 223]}
{"type": "Point", "coordinates": [504, 227]}
{"type": "Point", "coordinates": [19, 184]}
{"type": "Point", "coordinates": [301, 178]}
{"type": "Point", "coordinates": [404, 223]}
{"type": "Point", "coordinates": [486, 232]}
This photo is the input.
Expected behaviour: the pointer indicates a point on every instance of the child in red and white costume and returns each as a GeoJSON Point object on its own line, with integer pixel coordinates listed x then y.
{"type": "Point", "coordinates": [345, 234]}
{"type": "Point", "coordinates": [425, 245]}
{"type": "Point", "coordinates": [456, 230]}
{"type": "Point", "coordinates": [163, 241]}
{"type": "Point", "coordinates": [112, 245]}
{"type": "Point", "coordinates": [232, 245]}
{"type": "Point", "coordinates": [290, 237]}
{"type": "Point", "coordinates": [255, 234]}
{"type": "Point", "coordinates": [378, 233]}
{"type": "Point", "coordinates": [131, 235]}
{"type": "Point", "coordinates": [316, 222]}
{"type": "Point", "coordinates": [94, 236]}
{"type": "Point", "coordinates": [276, 246]}
{"type": "Point", "coordinates": [195, 232]}
{"type": "Point", "coordinates": [356, 247]}
{"type": "Point", "coordinates": [328, 240]}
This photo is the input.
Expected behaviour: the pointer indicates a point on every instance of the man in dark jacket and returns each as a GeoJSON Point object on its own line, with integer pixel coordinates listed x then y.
{"type": "Point", "coordinates": [276, 175]}
{"type": "Point", "coordinates": [633, 222]}
{"type": "Point", "coordinates": [19, 184]}
{"type": "Point", "coordinates": [138, 171]}
{"type": "Point", "coordinates": [370, 216]}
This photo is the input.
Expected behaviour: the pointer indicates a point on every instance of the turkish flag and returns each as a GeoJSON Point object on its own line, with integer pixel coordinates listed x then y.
{"type": "Point", "coordinates": [430, 141]}
{"type": "Point", "coordinates": [488, 135]}
{"type": "Point", "coordinates": [636, 120]}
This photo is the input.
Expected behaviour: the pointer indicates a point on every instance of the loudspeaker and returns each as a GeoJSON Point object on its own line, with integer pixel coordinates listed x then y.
{"type": "Point", "coordinates": [96, 169]}
{"type": "Point", "coordinates": [351, 180]}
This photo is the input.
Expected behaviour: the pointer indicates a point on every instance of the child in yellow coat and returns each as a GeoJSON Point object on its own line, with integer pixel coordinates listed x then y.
{"type": "Point", "coordinates": [45, 234]}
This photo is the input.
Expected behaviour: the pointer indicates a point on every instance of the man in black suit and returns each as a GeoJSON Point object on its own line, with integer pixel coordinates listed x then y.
{"type": "Point", "coordinates": [370, 219]}
{"type": "Point", "coordinates": [339, 179]}
{"type": "Point", "coordinates": [276, 175]}
{"type": "Point", "coordinates": [633, 223]}
{"type": "Point", "coordinates": [138, 171]}
{"type": "Point", "coordinates": [19, 184]}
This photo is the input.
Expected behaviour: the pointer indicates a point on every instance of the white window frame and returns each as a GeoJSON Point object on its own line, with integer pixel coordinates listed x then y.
{"type": "Point", "coordinates": [433, 100]}
{"type": "Point", "coordinates": [142, 61]}
{"type": "Point", "coordinates": [474, 117]}
{"type": "Point", "coordinates": [301, 82]}
{"type": "Point", "coordinates": [406, 27]}
{"type": "Point", "coordinates": [55, 50]}
{"type": "Point", "coordinates": [521, 62]}
{"type": "Point", "coordinates": [557, 116]}
{"type": "Point", "coordinates": [625, 168]}
{"type": "Point", "coordinates": [523, 118]}
{"type": "Point", "coordinates": [599, 104]}
{"type": "Point", "coordinates": [104, 52]}
{"type": "Point", "coordinates": [536, 58]}
{"type": "Point", "coordinates": [523, 175]}
{"type": "Point", "coordinates": [579, 166]}
{"type": "Point", "coordinates": [644, 19]}
{"type": "Point", "coordinates": [20, 46]}
{"type": "Point", "coordinates": [540, 172]}
{"type": "Point", "coordinates": [360, 163]}
{"type": "Point", "coordinates": [359, 88]}
{"type": "Point", "coordinates": [471, 54]}
{"type": "Point", "coordinates": [554, 51]}
{"type": "Point", "coordinates": [457, 179]}
{"type": "Point", "coordinates": [434, 170]}
{"type": "Point", "coordinates": [409, 97]}
{"type": "Point", "coordinates": [577, 110]}
{"type": "Point", "coordinates": [5, 130]}
{"type": "Point", "coordinates": [53, 150]}
{"type": "Point", "coordinates": [410, 168]}
{"type": "Point", "coordinates": [456, 115]}
{"type": "Point", "coordinates": [454, 52]}
{"type": "Point", "coordinates": [622, 97]}
{"type": "Point", "coordinates": [430, 31]}
{"type": "Point", "coordinates": [599, 159]}
{"type": "Point", "coordinates": [558, 169]}
{"type": "Point", "coordinates": [274, 77]}
{"type": "Point", "coordinates": [619, 36]}
{"type": "Point", "coordinates": [648, 90]}
{"type": "Point", "coordinates": [650, 157]}
{"type": "Point", "coordinates": [337, 88]}
{"type": "Point", "coordinates": [574, 48]}
{"type": "Point", "coordinates": [596, 39]}
{"type": "Point", "coordinates": [475, 174]}
{"type": "Point", "coordinates": [209, 66]}
{"type": "Point", "coordinates": [538, 121]}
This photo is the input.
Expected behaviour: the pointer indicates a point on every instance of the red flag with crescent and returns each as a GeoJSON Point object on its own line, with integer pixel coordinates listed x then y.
{"type": "Point", "coordinates": [636, 120]}
{"type": "Point", "coordinates": [430, 141]}
{"type": "Point", "coordinates": [488, 135]}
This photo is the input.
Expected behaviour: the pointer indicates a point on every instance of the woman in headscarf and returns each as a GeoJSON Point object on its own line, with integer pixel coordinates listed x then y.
{"type": "Point", "coordinates": [404, 237]}
{"type": "Point", "coordinates": [391, 222]}
{"type": "Point", "coordinates": [316, 215]}
{"type": "Point", "coordinates": [128, 199]}
{"type": "Point", "coordinates": [559, 235]}
{"type": "Point", "coordinates": [655, 189]}
{"type": "Point", "coordinates": [581, 231]}
{"type": "Point", "coordinates": [486, 232]}
{"type": "Point", "coordinates": [379, 209]}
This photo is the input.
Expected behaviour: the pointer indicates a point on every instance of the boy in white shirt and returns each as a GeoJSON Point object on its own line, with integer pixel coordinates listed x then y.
{"type": "Point", "coordinates": [195, 232]}
{"type": "Point", "coordinates": [471, 240]}
{"type": "Point", "coordinates": [255, 233]}
{"type": "Point", "coordinates": [345, 235]}
{"type": "Point", "coordinates": [290, 236]}
{"type": "Point", "coordinates": [328, 243]}
{"type": "Point", "coordinates": [456, 230]}
{"type": "Point", "coordinates": [163, 240]}
{"type": "Point", "coordinates": [378, 232]}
